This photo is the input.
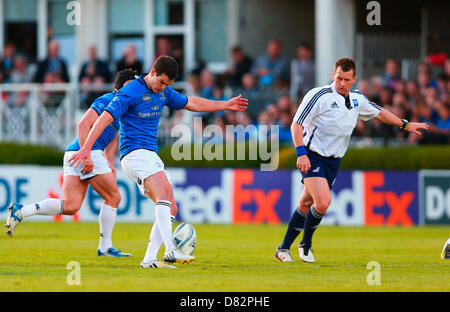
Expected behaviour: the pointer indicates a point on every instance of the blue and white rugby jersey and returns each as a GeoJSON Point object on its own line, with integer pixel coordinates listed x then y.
{"type": "Point", "coordinates": [139, 109]}
{"type": "Point", "coordinates": [328, 123]}
{"type": "Point", "coordinates": [110, 131]}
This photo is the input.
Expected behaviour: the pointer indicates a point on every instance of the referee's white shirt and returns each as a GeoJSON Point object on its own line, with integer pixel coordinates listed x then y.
{"type": "Point", "coordinates": [328, 123]}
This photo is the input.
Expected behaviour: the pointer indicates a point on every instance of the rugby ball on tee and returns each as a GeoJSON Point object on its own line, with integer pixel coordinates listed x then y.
{"type": "Point", "coordinates": [185, 238]}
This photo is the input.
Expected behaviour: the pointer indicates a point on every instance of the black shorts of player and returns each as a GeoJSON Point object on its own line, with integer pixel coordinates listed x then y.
{"type": "Point", "coordinates": [324, 167]}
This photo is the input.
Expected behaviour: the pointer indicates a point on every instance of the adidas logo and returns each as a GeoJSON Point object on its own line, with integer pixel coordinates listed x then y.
{"type": "Point", "coordinates": [334, 105]}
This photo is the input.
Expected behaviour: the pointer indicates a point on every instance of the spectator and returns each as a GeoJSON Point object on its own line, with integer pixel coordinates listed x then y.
{"type": "Point", "coordinates": [360, 129]}
{"type": "Point", "coordinates": [94, 68]}
{"type": "Point", "coordinates": [53, 68]}
{"type": "Point", "coordinates": [218, 94]}
{"type": "Point", "coordinates": [376, 83]}
{"type": "Point", "coordinates": [201, 65]}
{"type": "Point", "coordinates": [364, 87]}
{"type": "Point", "coordinates": [264, 121]}
{"type": "Point", "coordinates": [424, 78]}
{"type": "Point", "coordinates": [20, 74]}
{"type": "Point", "coordinates": [285, 135]}
{"type": "Point", "coordinates": [129, 60]}
{"type": "Point", "coordinates": [240, 66]}
{"type": "Point", "coordinates": [424, 81]}
{"type": "Point", "coordinates": [257, 97]}
{"type": "Point", "coordinates": [263, 118]}
{"type": "Point", "coordinates": [302, 72]}
{"type": "Point", "coordinates": [207, 82]}
{"type": "Point", "coordinates": [442, 128]}
{"type": "Point", "coordinates": [274, 113]}
{"type": "Point", "coordinates": [446, 67]}
{"type": "Point", "coordinates": [431, 96]}
{"type": "Point", "coordinates": [52, 99]}
{"type": "Point", "coordinates": [442, 80]}
{"type": "Point", "coordinates": [7, 61]}
{"type": "Point", "coordinates": [423, 113]}
{"type": "Point", "coordinates": [221, 136]}
{"type": "Point", "coordinates": [284, 103]}
{"type": "Point", "coordinates": [230, 118]}
{"type": "Point", "coordinates": [385, 97]}
{"type": "Point", "coordinates": [93, 72]}
{"type": "Point", "coordinates": [249, 83]}
{"type": "Point", "coordinates": [194, 82]}
{"type": "Point", "coordinates": [271, 68]}
{"type": "Point", "coordinates": [400, 87]}
{"type": "Point", "coordinates": [178, 55]}
{"type": "Point", "coordinates": [399, 100]}
{"type": "Point", "coordinates": [392, 73]}
{"type": "Point", "coordinates": [293, 109]}
{"type": "Point", "coordinates": [412, 92]}
{"type": "Point", "coordinates": [163, 47]}
{"type": "Point", "coordinates": [244, 130]}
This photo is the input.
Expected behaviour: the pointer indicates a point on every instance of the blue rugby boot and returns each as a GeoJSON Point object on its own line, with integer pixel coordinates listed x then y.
{"type": "Point", "coordinates": [112, 252]}
{"type": "Point", "coordinates": [14, 218]}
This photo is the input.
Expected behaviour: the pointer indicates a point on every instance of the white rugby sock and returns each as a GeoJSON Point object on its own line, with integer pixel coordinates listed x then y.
{"type": "Point", "coordinates": [46, 207]}
{"type": "Point", "coordinates": [154, 242]}
{"type": "Point", "coordinates": [106, 219]}
{"type": "Point", "coordinates": [162, 213]}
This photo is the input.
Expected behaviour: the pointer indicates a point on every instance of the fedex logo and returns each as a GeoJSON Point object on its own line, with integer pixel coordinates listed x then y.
{"type": "Point", "coordinates": [202, 195]}
{"type": "Point", "coordinates": [391, 198]}
{"type": "Point", "coordinates": [261, 197]}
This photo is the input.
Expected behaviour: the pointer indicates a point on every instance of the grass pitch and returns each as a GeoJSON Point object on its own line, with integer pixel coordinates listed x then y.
{"type": "Point", "coordinates": [228, 258]}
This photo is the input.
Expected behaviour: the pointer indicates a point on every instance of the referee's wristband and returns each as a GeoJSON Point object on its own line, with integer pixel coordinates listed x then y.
{"type": "Point", "coordinates": [301, 150]}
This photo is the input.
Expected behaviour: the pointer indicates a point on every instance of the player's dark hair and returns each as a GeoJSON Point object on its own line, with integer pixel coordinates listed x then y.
{"type": "Point", "coordinates": [305, 45]}
{"type": "Point", "coordinates": [346, 64]}
{"type": "Point", "coordinates": [166, 65]}
{"type": "Point", "coordinates": [236, 48]}
{"type": "Point", "coordinates": [123, 76]}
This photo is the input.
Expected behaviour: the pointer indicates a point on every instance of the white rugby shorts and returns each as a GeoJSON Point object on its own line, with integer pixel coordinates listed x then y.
{"type": "Point", "coordinates": [100, 165]}
{"type": "Point", "coordinates": [140, 164]}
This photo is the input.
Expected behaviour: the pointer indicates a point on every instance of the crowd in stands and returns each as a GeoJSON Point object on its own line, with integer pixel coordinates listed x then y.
{"type": "Point", "coordinates": [275, 88]}
{"type": "Point", "coordinates": [273, 84]}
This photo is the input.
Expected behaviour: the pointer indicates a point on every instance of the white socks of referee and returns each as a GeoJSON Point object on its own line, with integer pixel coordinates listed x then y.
{"type": "Point", "coordinates": [106, 219]}
{"type": "Point", "coordinates": [161, 231]}
{"type": "Point", "coordinates": [46, 207]}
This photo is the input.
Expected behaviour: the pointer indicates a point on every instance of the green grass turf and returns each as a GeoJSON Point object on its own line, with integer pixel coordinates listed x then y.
{"type": "Point", "coordinates": [228, 258]}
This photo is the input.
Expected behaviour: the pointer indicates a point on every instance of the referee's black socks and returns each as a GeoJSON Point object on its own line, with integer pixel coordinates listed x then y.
{"type": "Point", "coordinates": [312, 221]}
{"type": "Point", "coordinates": [295, 226]}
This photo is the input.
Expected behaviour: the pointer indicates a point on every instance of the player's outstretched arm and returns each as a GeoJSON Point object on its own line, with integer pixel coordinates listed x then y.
{"type": "Point", "coordinates": [85, 151]}
{"type": "Point", "coordinates": [303, 163]}
{"type": "Point", "coordinates": [198, 104]}
{"type": "Point", "coordinates": [389, 118]}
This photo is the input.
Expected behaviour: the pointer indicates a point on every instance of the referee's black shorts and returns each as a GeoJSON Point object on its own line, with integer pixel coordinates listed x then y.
{"type": "Point", "coordinates": [324, 167]}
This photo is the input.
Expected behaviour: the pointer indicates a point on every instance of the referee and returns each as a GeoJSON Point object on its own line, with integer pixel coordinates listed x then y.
{"type": "Point", "coordinates": [321, 131]}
